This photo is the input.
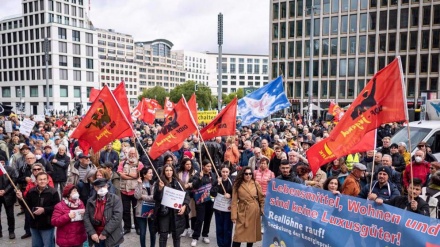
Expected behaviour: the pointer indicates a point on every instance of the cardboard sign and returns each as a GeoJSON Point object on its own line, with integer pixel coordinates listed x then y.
{"type": "Point", "coordinates": [8, 126]}
{"type": "Point", "coordinates": [26, 127]}
{"type": "Point", "coordinates": [221, 203]}
{"type": "Point", "coordinates": [38, 118]}
{"type": "Point", "coordinates": [173, 198]}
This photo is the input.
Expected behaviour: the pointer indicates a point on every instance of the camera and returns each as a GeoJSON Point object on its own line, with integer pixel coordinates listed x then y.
{"type": "Point", "coordinates": [96, 222]}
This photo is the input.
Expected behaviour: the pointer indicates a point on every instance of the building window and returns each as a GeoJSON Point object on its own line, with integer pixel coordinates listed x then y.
{"type": "Point", "coordinates": [33, 91]}
{"type": "Point", "coordinates": [63, 60]}
{"type": "Point", "coordinates": [64, 91]}
{"type": "Point", "coordinates": [89, 76]}
{"type": "Point", "coordinates": [62, 46]}
{"type": "Point", "coordinates": [76, 49]}
{"type": "Point", "coordinates": [77, 75]}
{"type": "Point", "coordinates": [76, 36]}
{"type": "Point", "coordinates": [44, 91]}
{"type": "Point", "coordinates": [77, 92]}
{"type": "Point", "coordinates": [63, 74]}
{"type": "Point", "coordinates": [6, 92]}
{"type": "Point", "coordinates": [77, 62]}
{"type": "Point", "coordinates": [89, 38]}
{"type": "Point", "coordinates": [89, 63]}
{"type": "Point", "coordinates": [89, 51]}
{"type": "Point", "coordinates": [61, 33]}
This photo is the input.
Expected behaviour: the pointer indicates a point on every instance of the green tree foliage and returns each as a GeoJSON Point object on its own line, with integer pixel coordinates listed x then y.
{"type": "Point", "coordinates": [203, 93]}
{"type": "Point", "coordinates": [156, 92]}
{"type": "Point", "coordinates": [228, 98]}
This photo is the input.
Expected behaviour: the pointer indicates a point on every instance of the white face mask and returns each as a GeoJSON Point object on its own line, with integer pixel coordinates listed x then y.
{"type": "Point", "coordinates": [102, 191]}
{"type": "Point", "coordinates": [75, 196]}
{"type": "Point", "coordinates": [37, 156]}
{"type": "Point", "coordinates": [418, 159]}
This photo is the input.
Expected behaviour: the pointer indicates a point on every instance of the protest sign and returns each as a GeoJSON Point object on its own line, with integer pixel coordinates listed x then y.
{"type": "Point", "coordinates": [222, 203]}
{"type": "Point", "coordinates": [202, 194]}
{"type": "Point", "coordinates": [308, 216]}
{"type": "Point", "coordinates": [38, 118]}
{"type": "Point", "coordinates": [206, 116]}
{"type": "Point", "coordinates": [8, 126]}
{"type": "Point", "coordinates": [26, 126]}
{"type": "Point", "coordinates": [147, 209]}
{"type": "Point", "coordinates": [173, 198]}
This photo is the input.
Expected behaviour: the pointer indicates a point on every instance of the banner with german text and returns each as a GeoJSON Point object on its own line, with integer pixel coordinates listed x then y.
{"type": "Point", "coordinates": [306, 216]}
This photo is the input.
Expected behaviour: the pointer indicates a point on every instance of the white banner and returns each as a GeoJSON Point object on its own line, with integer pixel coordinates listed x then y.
{"type": "Point", "coordinates": [26, 127]}
{"type": "Point", "coordinates": [8, 126]}
{"type": "Point", "coordinates": [173, 198]}
{"type": "Point", "coordinates": [221, 203]}
{"type": "Point", "coordinates": [38, 118]}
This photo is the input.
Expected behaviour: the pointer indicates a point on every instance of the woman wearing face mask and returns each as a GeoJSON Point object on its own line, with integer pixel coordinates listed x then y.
{"type": "Point", "coordinates": [70, 227]}
{"type": "Point", "coordinates": [103, 217]}
{"type": "Point", "coordinates": [168, 219]}
{"type": "Point", "coordinates": [144, 193]}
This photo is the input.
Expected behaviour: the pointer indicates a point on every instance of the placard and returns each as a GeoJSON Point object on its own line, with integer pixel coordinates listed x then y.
{"type": "Point", "coordinates": [147, 209]}
{"type": "Point", "coordinates": [26, 127]}
{"type": "Point", "coordinates": [202, 194]}
{"type": "Point", "coordinates": [173, 198]}
{"type": "Point", "coordinates": [222, 203]}
{"type": "Point", "coordinates": [38, 118]}
{"type": "Point", "coordinates": [8, 126]}
{"type": "Point", "coordinates": [79, 214]}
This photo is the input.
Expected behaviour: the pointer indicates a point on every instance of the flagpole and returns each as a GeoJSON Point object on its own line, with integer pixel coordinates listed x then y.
{"type": "Point", "coordinates": [405, 105]}
{"type": "Point", "coordinates": [22, 199]}
{"type": "Point", "coordinates": [201, 139]}
{"type": "Point", "coordinates": [372, 169]}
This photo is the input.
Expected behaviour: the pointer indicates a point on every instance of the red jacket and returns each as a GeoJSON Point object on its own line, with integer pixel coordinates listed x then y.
{"type": "Point", "coordinates": [68, 233]}
{"type": "Point", "coordinates": [419, 171]}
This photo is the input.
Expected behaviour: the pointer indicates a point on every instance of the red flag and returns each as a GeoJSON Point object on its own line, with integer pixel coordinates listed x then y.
{"type": "Point", "coordinates": [336, 111]}
{"type": "Point", "coordinates": [222, 125]}
{"type": "Point", "coordinates": [2, 170]}
{"type": "Point", "coordinates": [381, 101]}
{"type": "Point", "coordinates": [93, 94]}
{"type": "Point", "coordinates": [137, 111]}
{"type": "Point", "coordinates": [168, 106]}
{"type": "Point", "coordinates": [178, 126]}
{"type": "Point", "coordinates": [317, 158]}
{"type": "Point", "coordinates": [121, 96]}
{"type": "Point", "coordinates": [192, 104]}
{"type": "Point", "coordinates": [104, 122]}
{"type": "Point", "coordinates": [149, 110]}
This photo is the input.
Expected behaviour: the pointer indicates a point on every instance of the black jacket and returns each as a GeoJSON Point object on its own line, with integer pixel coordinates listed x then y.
{"type": "Point", "coordinates": [9, 197]}
{"type": "Point", "coordinates": [292, 178]}
{"type": "Point", "coordinates": [23, 172]}
{"type": "Point", "coordinates": [59, 173]}
{"type": "Point", "coordinates": [218, 189]}
{"type": "Point", "coordinates": [403, 203]}
{"type": "Point", "coordinates": [398, 162]}
{"type": "Point", "coordinates": [47, 199]}
{"type": "Point", "coordinates": [216, 152]}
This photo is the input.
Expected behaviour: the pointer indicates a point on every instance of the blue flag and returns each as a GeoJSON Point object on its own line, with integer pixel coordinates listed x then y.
{"type": "Point", "coordinates": [263, 102]}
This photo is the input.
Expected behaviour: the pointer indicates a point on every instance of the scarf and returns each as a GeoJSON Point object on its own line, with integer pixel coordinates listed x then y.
{"type": "Point", "coordinates": [71, 204]}
{"type": "Point", "coordinates": [434, 186]}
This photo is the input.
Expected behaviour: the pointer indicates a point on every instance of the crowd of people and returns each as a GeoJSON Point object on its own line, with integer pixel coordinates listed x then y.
{"type": "Point", "coordinates": [97, 196]}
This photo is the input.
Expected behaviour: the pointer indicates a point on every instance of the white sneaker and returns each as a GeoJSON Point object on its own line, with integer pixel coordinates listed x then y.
{"type": "Point", "coordinates": [169, 235]}
{"type": "Point", "coordinates": [185, 233]}
{"type": "Point", "coordinates": [194, 243]}
{"type": "Point", "coordinates": [190, 233]}
{"type": "Point", "coordinates": [262, 230]}
{"type": "Point", "coordinates": [206, 240]}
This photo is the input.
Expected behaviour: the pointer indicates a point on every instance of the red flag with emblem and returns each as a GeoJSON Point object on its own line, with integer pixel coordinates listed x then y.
{"type": "Point", "coordinates": [222, 125]}
{"type": "Point", "coordinates": [178, 126]}
{"type": "Point", "coordinates": [168, 106]}
{"type": "Point", "coordinates": [192, 104]}
{"type": "Point", "coordinates": [137, 112]}
{"type": "Point", "coordinates": [383, 100]}
{"type": "Point", "coordinates": [104, 122]}
{"type": "Point", "coordinates": [336, 111]}
{"type": "Point", "coordinates": [149, 110]}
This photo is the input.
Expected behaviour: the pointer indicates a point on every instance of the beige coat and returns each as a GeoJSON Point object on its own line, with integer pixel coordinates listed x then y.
{"type": "Point", "coordinates": [246, 208]}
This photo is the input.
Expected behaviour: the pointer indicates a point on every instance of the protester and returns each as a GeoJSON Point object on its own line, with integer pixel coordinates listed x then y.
{"type": "Point", "coordinates": [287, 174]}
{"type": "Point", "coordinates": [332, 184]}
{"type": "Point", "coordinates": [169, 219]}
{"type": "Point", "coordinates": [68, 217]}
{"type": "Point", "coordinates": [103, 217]}
{"type": "Point", "coordinates": [185, 174]}
{"type": "Point", "coordinates": [202, 182]}
{"type": "Point", "coordinates": [412, 201]}
{"type": "Point", "coordinates": [382, 189]}
{"type": "Point", "coordinates": [109, 155]}
{"type": "Point", "coordinates": [7, 197]}
{"type": "Point", "coordinates": [60, 162]}
{"type": "Point", "coordinates": [420, 169]}
{"type": "Point", "coordinates": [41, 200]}
{"type": "Point", "coordinates": [263, 175]}
{"type": "Point", "coordinates": [223, 223]}
{"type": "Point", "coordinates": [246, 207]}
{"type": "Point", "coordinates": [352, 184]}
{"type": "Point", "coordinates": [144, 194]}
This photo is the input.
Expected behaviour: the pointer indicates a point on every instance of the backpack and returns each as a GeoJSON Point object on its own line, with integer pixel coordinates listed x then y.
{"type": "Point", "coordinates": [433, 203]}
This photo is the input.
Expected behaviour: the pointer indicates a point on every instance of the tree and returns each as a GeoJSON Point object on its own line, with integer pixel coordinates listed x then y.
{"type": "Point", "coordinates": [228, 98]}
{"type": "Point", "coordinates": [156, 92]}
{"type": "Point", "coordinates": [203, 93]}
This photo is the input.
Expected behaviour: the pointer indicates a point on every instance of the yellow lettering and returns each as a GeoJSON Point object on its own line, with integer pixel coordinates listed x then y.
{"type": "Point", "coordinates": [358, 125]}
{"type": "Point", "coordinates": [105, 133]}
{"type": "Point", "coordinates": [167, 138]}
{"type": "Point", "coordinates": [212, 130]}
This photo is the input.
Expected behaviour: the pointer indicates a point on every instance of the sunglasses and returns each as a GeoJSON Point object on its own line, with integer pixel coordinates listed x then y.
{"type": "Point", "coordinates": [248, 173]}
{"type": "Point", "coordinates": [39, 169]}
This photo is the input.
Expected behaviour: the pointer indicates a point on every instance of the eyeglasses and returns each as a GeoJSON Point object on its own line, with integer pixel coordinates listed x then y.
{"type": "Point", "coordinates": [37, 169]}
{"type": "Point", "coordinates": [421, 146]}
{"type": "Point", "coordinates": [432, 168]}
{"type": "Point", "coordinates": [248, 173]}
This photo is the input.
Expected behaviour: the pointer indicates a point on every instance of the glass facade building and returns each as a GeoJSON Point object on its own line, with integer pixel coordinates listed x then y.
{"type": "Point", "coordinates": [352, 40]}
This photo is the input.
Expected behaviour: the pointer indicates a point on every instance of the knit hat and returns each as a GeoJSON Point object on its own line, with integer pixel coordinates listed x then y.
{"type": "Point", "coordinates": [385, 169]}
{"type": "Point", "coordinates": [188, 154]}
{"type": "Point", "coordinates": [67, 189]}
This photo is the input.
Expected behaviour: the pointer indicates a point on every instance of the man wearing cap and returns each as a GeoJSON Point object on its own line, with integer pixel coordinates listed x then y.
{"type": "Point", "coordinates": [78, 172]}
{"type": "Point", "coordinates": [382, 189]}
{"type": "Point", "coordinates": [352, 186]}
{"type": "Point", "coordinates": [103, 217]}
{"type": "Point", "coordinates": [48, 154]}
{"type": "Point", "coordinates": [398, 160]}
{"type": "Point", "coordinates": [404, 152]}
{"type": "Point", "coordinates": [21, 162]}
{"type": "Point", "coordinates": [7, 197]}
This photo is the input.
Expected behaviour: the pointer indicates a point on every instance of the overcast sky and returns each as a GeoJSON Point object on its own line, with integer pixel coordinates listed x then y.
{"type": "Point", "coordinates": [188, 24]}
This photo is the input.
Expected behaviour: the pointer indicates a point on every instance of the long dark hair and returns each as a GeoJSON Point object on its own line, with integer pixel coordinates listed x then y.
{"type": "Point", "coordinates": [325, 185]}
{"type": "Point", "coordinates": [240, 177]}
{"type": "Point", "coordinates": [145, 171]}
{"type": "Point", "coordinates": [164, 179]}
{"type": "Point", "coordinates": [182, 165]}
